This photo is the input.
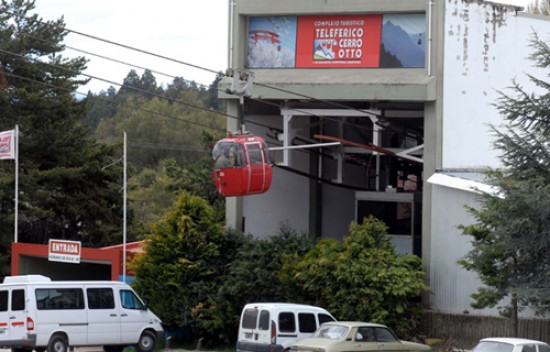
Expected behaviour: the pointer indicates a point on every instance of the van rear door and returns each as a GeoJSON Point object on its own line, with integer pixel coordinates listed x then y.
{"type": "Point", "coordinates": [248, 335]}
{"type": "Point", "coordinates": [4, 316]}
{"type": "Point", "coordinates": [12, 314]}
{"type": "Point", "coordinates": [17, 315]}
{"type": "Point", "coordinates": [266, 332]}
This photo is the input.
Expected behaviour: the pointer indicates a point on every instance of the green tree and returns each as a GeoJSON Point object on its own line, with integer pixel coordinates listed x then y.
{"type": "Point", "coordinates": [213, 101]}
{"type": "Point", "coordinates": [186, 258]}
{"type": "Point", "coordinates": [253, 276]}
{"type": "Point", "coordinates": [159, 129]}
{"type": "Point", "coordinates": [361, 278]}
{"type": "Point", "coordinates": [64, 190]}
{"type": "Point", "coordinates": [511, 237]}
{"type": "Point", "coordinates": [98, 107]}
{"type": "Point", "coordinates": [131, 84]}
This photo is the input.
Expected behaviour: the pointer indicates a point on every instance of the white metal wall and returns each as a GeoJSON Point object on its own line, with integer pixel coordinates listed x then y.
{"type": "Point", "coordinates": [450, 284]}
{"type": "Point", "coordinates": [486, 47]}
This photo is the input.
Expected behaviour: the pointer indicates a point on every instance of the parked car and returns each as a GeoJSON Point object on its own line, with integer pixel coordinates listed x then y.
{"type": "Point", "coordinates": [44, 315]}
{"type": "Point", "coordinates": [273, 327]}
{"type": "Point", "coordinates": [351, 336]}
{"type": "Point", "coordinates": [507, 344]}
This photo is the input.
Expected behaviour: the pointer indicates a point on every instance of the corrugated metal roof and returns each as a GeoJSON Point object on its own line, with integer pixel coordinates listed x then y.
{"type": "Point", "coordinates": [465, 181]}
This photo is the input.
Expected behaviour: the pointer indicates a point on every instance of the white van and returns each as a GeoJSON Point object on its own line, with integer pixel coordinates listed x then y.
{"type": "Point", "coordinates": [273, 327]}
{"type": "Point", "coordinates": [40, 314]}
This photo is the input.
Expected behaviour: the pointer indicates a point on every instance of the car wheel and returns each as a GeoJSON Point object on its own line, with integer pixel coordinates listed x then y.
{"type": "Point", "coordinates": [147, 342]}
{"type": "Point", "coordinates": [58, 343]}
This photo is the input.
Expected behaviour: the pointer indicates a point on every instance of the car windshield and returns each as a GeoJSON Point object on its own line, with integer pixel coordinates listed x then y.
{"type": "Point", "coordinates": [493, 346]}
{"type": "Point", "coordinates": [333, 332]}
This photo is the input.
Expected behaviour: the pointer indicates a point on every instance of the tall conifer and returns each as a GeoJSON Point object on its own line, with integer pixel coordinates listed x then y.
{"type": "Point", "coordinates": [65, 190]}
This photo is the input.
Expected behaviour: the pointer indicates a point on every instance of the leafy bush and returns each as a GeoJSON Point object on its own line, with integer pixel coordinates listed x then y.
{"type": "Point", "coordinates": [361, 278]}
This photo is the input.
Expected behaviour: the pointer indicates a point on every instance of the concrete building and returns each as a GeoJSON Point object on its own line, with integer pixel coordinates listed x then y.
{"type": "Point", "coordinates": [416, 78]}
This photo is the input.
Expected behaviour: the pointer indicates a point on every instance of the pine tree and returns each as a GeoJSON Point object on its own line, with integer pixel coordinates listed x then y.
{"type": "Point", "coordinates": [65, 190]}
{"type": "Point", "coordinates": [511, 238]}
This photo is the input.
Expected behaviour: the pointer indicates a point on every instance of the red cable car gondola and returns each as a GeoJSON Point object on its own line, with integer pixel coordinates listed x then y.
{"type": "Point", "coordinates": [241, 166]}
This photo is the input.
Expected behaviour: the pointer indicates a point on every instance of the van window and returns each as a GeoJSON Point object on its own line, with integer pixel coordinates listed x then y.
{"type": "Point", "coordinates": [59, 298]}
{"type": "Point", "coordinates": [287, 322]}
{"type": "Point", "coordinates": [264, 320]}
{"type": "Point", "coordinates": [100, 298]}
{"type": "Point", "coordinates": [306, 322]}
{"type": "Point", "coordinates": [3, 301]}
{"type": "Point", "coordinates": [18, 300]}
{"type": "Point", "coordinates": [250, 317]}
{"type": "Point", "coordinates": [130, 300]}
{"type": "Point", "coordinates": [323, 318]}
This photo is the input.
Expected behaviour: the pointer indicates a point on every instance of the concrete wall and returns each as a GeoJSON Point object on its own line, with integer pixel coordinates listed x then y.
{"type": "Point", "coordinates": [289, 197]}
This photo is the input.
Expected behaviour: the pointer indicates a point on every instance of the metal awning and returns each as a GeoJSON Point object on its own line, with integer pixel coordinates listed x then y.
{"type": "Point", "coordinates": [461, 183]}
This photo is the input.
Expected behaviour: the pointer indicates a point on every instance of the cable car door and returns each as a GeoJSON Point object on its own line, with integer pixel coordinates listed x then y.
{"type": "Point", "coordinates": [257, 168]}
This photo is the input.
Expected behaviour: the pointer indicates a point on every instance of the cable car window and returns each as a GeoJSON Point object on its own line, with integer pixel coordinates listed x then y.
{"type": "Point", "coordinates": [255, 154]}
{"type": "Point", "coordinates": [266, 154]}
{"type": "Point", "coordinates": [227, 154]}
{"type": "Point", "coordinates": [239, 155]}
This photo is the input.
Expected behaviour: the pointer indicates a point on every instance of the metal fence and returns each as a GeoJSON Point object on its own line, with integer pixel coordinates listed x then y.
{"type": "Point", "coordinates": [464, 330]}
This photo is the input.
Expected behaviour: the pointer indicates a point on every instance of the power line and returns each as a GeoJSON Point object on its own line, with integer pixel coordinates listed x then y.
{"type": "Point", "coordinates": [328, 102]}
{"type": "Point", "coordinates": [200, 67]}
{"type": "Point", "coordinates": [118, 61]}
{"type": "Point", "coordinates": [135, 107]}
{"type": "Point", "coordinates": [120, 85]}
{"type": "Point", "coordinates": [129, 47]}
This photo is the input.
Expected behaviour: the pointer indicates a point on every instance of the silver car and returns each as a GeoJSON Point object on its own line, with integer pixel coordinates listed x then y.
{"type": "Point", "coordinates": [508, 344]}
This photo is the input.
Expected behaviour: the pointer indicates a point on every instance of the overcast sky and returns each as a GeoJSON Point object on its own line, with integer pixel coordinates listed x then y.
{"type": "Point", "coordinates": [193, 32]}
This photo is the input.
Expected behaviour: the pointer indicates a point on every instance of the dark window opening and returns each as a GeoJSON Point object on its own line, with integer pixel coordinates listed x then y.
{"type": "Point", "coordinates": [264, 320]}
{"type": "Point", "coordinates": [287, 323]}
{"type": "Point", "coordinates": [100, 298]}
{"type": "Point", "coordinates": [250, 317]}
{"type": "Point", "coordinates": [306, 322]}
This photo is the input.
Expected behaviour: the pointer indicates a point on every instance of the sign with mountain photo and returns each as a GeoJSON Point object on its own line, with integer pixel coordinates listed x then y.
{"type": "Point", "coordinates": [349, 41]}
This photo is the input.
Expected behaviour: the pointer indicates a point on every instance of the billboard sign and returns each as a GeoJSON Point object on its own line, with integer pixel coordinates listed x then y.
{"type": "Point", "coordinates": [338, 41]}
{"type": "Point", "coordinates": [346, 41]}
